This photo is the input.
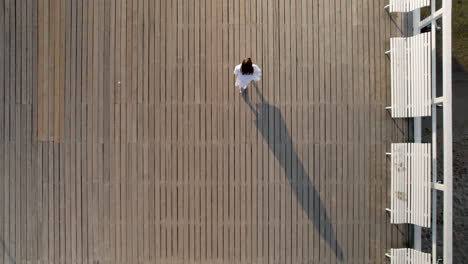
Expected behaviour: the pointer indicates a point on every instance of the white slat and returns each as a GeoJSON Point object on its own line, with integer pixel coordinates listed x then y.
{"type": "Point", "coordinates": [411, 76]}
{"type": "Point", "coordinates": [407, 5]}
{"type": "Point", "coordinates": [410, 184]}
{"type": "Point", "coordinates": [409, 256]}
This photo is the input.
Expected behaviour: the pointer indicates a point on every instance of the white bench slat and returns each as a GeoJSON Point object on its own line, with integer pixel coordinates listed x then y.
{"type": "Point", "coordinates": [409, 256]}
{"type": "Point", "coordinates": [406, 5]}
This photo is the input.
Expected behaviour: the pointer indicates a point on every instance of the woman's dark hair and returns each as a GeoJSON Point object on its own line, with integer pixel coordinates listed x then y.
{"type": "Point", "coordinates": [246, 66]}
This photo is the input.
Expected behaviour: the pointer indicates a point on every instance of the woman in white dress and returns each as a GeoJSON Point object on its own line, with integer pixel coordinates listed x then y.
{"type": "Point", "coordinates": [245, 73]}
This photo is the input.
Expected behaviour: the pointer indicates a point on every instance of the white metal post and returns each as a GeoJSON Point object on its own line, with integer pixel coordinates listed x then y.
{"type": "Point", "coordinates": [434, 133]}
{"type": "Point", "coordinates": [417, 126]}
{"type": "Point", "coordinates": [447, 122]}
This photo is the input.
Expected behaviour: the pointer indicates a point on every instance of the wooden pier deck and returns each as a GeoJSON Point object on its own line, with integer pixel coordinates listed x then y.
{"type": "Point", "coordinates": [124, 140]}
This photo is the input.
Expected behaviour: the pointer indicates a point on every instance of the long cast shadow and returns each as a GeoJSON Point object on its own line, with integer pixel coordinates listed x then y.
{"type": "Point", "coordinates": [9, 258]}
{"type": "Point", "coordinates": [306, 194]}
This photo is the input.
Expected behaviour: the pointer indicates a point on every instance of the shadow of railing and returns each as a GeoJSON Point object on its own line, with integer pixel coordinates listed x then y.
{"type": "Point", "coordinates": [9, 257]}
{"type": "Point", "coordinates": [304, 190]}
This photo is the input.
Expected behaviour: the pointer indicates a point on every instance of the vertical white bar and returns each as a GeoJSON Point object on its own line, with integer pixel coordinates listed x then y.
{"type": "Point", "coordinates": [403, 78]}
{"type": "Point", "coordinates": [421, 69]}
{"type": "Point", "coordinates": [403, 184]}
{"type": "Point", "coordinates": [416, 183]}
{"type": "Point", "coordinates": [405, 71]}
{"type": "Point", "coordinates": [394, 58]}
{"type": "Point", "coordinates": [413, 184]}
{"type": "Point", "coordinates": [392, 184]}
{"type": "Point", "coordinates": [417, 126]}
{"type": "Point", "coordinates": [424, 208]}
{"type": "Point", "coordinates": [414, 74]}
{"type": "Point", "coordinates": [408, 183]}
{"type": "Point", "coordinates": [427, 74]}
{"type": "Point", "coordinates": [447, 126]}
{"type": "Point", "coordinates": [423, 186]}
{"type": "Point", "coordinates": [427, 102]}
{"type": "Point", "coordinates": [393, 53]}
{"type": "Point", "coordinates": [400, 77]}
{"type": "Point", "coordinates": [408, 76]}
{"type": "Point", "coordinates": [417, 75]}
{"type": "Point", "coordinates": [422, 77]}
{"type": "Point", "coordinates": [400, 186]}
{"type": "Point", "coordinates": [397, 186]}
{"type": "Point", "coordinates": [434, 133]}
{"type": "Point", "coordinates": [418, 64]}
{"type": "Point", "coordinates": [411, 180]}
{"type": "Point", "coordinates": [421, 183]}
{"type": "Point", "coordinates": [398, 180]}
{"type": "Point", "coordinates": [397, 77]}
{"type": "Point", "coordinates": [428, 184]}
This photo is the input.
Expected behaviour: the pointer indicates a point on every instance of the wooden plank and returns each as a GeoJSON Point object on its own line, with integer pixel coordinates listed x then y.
{"type": "Point", "coordinates": [81, 153]}
{"type": "Point", "coordinates": [66, 221]}
{"type": "Point", "coordinates": [139, 49]}
{"type": "Point", "coordinates": [3, 139]}
{"type": "Point", "coordinates": [9, 169]}
{"type": "Point", "coordinates": [139, 181]}
{"type": "Point", "coordinates": [22, 65]}
{"type": "Point", "coordinates": [46, 198]}
{"type": "Point", "coordinates": [31, 214]}
{"type": "Point", "coordinates": [32, 110]}
{"type": "Point", "coordinates": [75, 129]}
{"type": "Point", "coordinates": [22, 183]}
{"type": "Point", "coordinates": [18, 179]}
{"type": "Point", "coordinates": [151, 132]}
{"type": "Point", "coordinates": [42, 105]}
{"type": "Point", "coordinates": [341, 130]}
{"type": "Point", "coordinates": [16, 19]}
{"type": "Point", "coordinates": [95, 162]}
{"type": "Point", "coordinates": [43, 166]}
{"type": "Point", "coordinates": [89, 133]}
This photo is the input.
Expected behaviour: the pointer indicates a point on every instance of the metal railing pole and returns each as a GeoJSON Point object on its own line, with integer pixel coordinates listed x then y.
{"type": "Point", "coordinates": [434, 134]}
{"type": "Point", "coordinates": [447, 130]}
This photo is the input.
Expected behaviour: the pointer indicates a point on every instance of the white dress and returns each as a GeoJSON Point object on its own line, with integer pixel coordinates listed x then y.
{"type": "Point", "coordinates": [242, 80]}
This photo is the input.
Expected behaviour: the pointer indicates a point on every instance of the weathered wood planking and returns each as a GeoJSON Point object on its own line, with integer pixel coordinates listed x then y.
{"type": "Point", "coordinates": [123, 138]}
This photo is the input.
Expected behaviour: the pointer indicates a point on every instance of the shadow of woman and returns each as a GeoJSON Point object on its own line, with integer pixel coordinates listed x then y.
{"type": "Point", "coordinates": [306, 194]}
